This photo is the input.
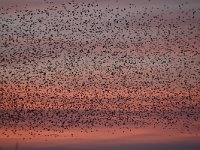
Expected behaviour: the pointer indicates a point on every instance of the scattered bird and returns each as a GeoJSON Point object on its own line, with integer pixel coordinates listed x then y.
{"type": "Point", "coordinates": [81, 65]}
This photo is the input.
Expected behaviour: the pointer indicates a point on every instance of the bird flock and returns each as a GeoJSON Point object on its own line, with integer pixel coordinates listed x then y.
{"type": "Point", "coordinates": [88, 64]}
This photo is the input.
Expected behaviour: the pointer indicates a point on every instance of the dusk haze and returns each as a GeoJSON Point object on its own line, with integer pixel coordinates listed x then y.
{"type": "Point", "coordinates": [99, 75]}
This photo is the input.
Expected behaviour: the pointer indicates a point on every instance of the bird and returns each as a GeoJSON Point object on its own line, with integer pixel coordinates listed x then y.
{"type": "Point", "coordinates": [78, 65]}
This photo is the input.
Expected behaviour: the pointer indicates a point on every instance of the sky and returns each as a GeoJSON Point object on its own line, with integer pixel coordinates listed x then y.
{"type": "Point", "coordinates": [99, 74]}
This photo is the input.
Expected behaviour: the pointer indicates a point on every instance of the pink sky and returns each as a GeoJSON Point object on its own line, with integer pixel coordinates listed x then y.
{"type": "Point", "coordinates": [131, 68]}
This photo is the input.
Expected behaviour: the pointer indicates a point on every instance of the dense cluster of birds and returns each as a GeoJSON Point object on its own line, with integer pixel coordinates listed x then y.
{"type": "Point", "coordinates": [88, 64]}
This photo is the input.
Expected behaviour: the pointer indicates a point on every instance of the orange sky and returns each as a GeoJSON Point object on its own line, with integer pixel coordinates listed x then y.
{"type": "Point", "coordinates": [94, 73]}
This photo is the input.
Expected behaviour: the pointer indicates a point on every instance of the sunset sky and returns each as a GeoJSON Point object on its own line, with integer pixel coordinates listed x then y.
{"type": "Point", "coordinates": [115, 74]}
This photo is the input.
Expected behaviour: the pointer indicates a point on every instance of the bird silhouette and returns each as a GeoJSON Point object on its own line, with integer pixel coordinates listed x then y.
{"type": "Point", "coordinates": [84, 65]}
